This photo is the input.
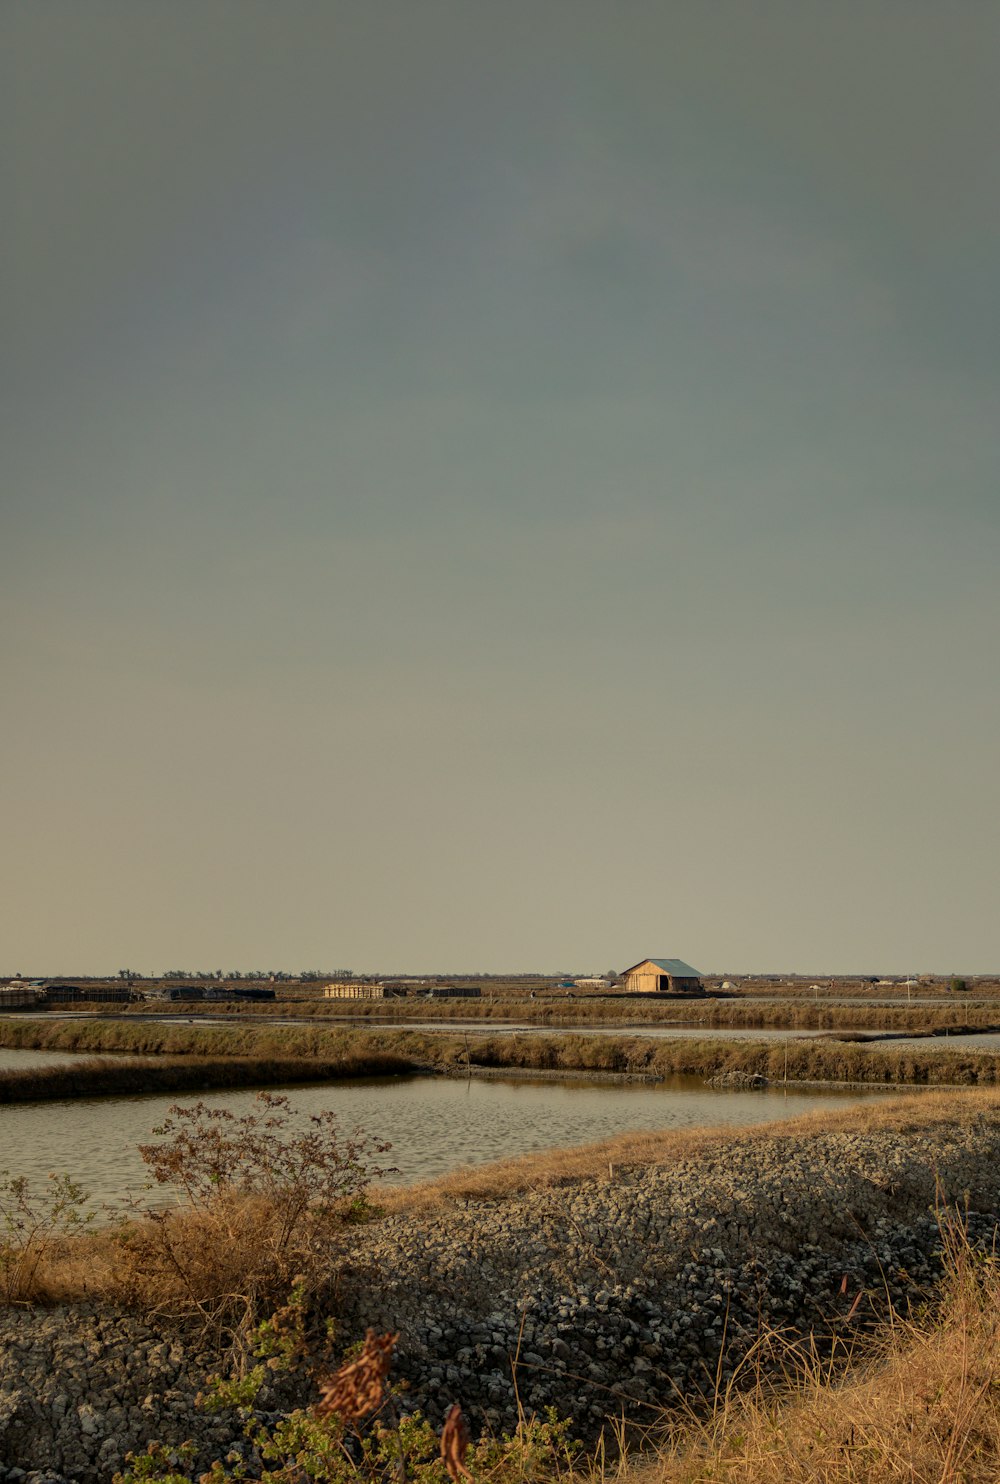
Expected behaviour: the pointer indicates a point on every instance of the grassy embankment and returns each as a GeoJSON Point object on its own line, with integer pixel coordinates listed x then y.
{"type": "Point", "coordinates": [114, 1076]}
{"type": "Point", "coordinates": [794, 1013]}
{"type": "Point", "coordinates": [344, 1052]}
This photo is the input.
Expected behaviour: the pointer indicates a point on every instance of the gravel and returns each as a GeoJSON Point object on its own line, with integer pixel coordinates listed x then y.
{"type": "Point", "coordinates": [607, 1295]}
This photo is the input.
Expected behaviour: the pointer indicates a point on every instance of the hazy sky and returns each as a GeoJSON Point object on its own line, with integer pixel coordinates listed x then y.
{"type": "Point", "coordinates": [500, 485]}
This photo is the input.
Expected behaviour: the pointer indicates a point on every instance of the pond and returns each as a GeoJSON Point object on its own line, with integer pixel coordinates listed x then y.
{"type": "Point", "coordinates": [434, 1124]}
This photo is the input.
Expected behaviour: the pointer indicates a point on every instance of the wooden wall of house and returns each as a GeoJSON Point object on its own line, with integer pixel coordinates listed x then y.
{"type": "Point", "coordinates": [643, 980]}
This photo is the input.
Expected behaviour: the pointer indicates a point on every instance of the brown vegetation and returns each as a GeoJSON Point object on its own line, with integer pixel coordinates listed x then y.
{"type": "Point", "coordinates": [356, 1433]}
{"type": "Point", "coordinates": [784, 1009]}
{"type": "Point", "coordinates": [778, 1061]}
{"type": "Point", "coordinates": [921, 1405]}
{"type": "Point", "coordinates": [262, 1201]}
{"type": "Point", "coordinates": [118, 1076]}
{"type": "Point", "coordinates": [275, 1050]}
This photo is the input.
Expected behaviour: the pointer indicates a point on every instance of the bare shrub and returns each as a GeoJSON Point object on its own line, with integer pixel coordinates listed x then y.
{"type": "Point", "coordinates": [31, 1222]}
{"type": "Point", "coordinates": [262, 1200]}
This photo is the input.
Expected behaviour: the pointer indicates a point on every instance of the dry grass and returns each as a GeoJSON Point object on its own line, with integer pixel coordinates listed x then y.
{"type": "Point", "coordinates": [261, 1203]}
{"type": "Point", "coordinates": [106, 1034]}
{"type": "Point", "coordinates": [923, 1406]}
{"type": "Point", "coordinates": [786, 1008]}
{"type": "Point", "coordinates": [778, 1061]}
{"type": "Point", "coordinates": [794, 1060]}
{"type": "Point", "coordinates": [228, 1258]}
{"type": "Point", "coordinates": [74, 1270]}
{"type": "Point", "coordinates": [118, 1076]}
{"type": "Point", "coordinates": [222, 1267]}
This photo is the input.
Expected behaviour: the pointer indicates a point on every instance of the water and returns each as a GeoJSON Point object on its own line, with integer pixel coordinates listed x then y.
{"type": "Point", "coordinates": [16, 1060]}
{"type": "Point", "coordinates": [435, 1124]}
{"type": "Point", "coordinates": [667, 1032]}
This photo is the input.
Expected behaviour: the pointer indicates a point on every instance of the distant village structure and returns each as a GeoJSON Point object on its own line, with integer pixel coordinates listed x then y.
{"type": "Point", "coordinates": [38, 995]}
{"type": "Point", "coordinates": [662, 976]}
{"type": "Point", "coordinates": [20, 997]}
{"type": "Point", "coordinates": [205, 992]}
{"type": "Point", "coordinates": [360, 989]}
{"type": "Point", "coordinates": [41, 994]}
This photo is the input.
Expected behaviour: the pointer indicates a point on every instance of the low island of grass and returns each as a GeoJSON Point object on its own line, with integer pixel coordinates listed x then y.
{"type": "Point", "coordinates": [250, 1053]}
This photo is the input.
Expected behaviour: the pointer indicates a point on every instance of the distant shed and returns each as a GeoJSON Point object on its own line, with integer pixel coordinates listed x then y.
{"type": "Point", "coordinates": [20, 997]}
{"type": "Point", "coordinates": [360, 989]}
{"type": "Point", "coordinates": [69, 994]}
{"type": "Point", "coordinates": [662, 976]}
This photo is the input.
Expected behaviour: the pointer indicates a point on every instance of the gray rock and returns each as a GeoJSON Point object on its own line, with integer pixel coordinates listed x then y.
{"type": "Point", "coordinates": [598, 1298]}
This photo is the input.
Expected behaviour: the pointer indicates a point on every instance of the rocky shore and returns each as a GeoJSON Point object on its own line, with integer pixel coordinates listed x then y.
{"type": "Point", "coordinates": [607, 1295]}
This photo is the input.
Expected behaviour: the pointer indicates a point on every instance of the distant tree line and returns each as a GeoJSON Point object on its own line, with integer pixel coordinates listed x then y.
{"type": "Point", "coordinates": [278, 975]}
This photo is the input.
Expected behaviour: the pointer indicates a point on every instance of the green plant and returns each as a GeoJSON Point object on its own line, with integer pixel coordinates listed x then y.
{"type": "Point", "coordinates": [261, 1201]}
{"type": "Point", "coordinates": [355, 1434]}
{"type": "Point", "coordinates": [29, 1223]}
{"type": "Point", "coordinates": [158, 1465]}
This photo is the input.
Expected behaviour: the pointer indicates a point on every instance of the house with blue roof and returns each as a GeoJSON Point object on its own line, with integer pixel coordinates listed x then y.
{"type": "Point", "coordinates": [662, 976]}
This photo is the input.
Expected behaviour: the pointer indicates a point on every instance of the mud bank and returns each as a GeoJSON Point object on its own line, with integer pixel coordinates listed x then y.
{"type": "Point", "coordinates": [605, 1295]}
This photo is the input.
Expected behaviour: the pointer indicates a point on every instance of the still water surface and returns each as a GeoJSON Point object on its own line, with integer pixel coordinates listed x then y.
{"type": "Point", "coordinates": [13, 1061]}
{"type": "Point", "coordinates": [434, 1124]}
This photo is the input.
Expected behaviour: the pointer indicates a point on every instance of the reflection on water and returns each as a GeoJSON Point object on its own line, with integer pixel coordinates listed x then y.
{"type": "Point", "coordinates": [434, 1124]}
{"type": "Point", "coordinates": [15, 1061]}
